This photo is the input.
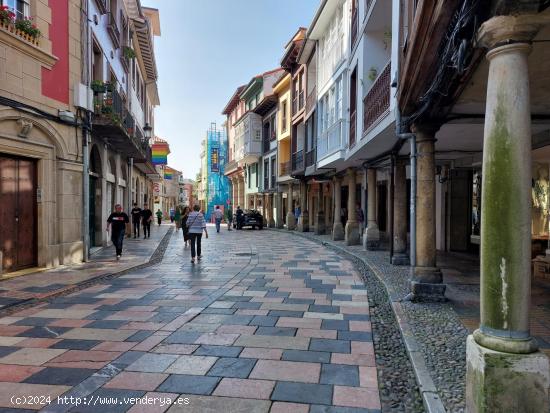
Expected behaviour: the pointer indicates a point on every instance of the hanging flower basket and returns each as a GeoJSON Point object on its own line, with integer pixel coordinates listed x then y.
{"type": "Point", "coordinates": [98, 86]}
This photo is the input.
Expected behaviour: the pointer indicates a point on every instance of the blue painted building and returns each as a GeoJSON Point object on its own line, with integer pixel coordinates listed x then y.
{"type": "Point", "coordinates": [217, 184]}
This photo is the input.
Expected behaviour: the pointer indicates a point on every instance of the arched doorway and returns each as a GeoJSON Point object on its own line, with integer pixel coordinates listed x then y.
{"type": "Point", "coordinates": [95, 196]}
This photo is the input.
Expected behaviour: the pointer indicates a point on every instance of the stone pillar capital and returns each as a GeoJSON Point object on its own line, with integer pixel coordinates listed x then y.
{"type": "Point", "coordinates": [425, 131]}
{"type": "Point", "coordinates": [503, 30]}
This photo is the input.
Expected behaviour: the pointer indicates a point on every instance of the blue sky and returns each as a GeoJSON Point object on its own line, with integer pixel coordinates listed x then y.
{"type": "Point", "coordinates": [206, 49]}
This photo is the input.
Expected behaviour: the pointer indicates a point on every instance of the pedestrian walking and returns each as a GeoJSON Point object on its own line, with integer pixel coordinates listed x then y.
{"type": "Point", "coordinates": [172, 215]}
{"type": "Point", "coordinates": [136, 219]}
{"type": "Point", "coordinates": [177, 217]}
{"type": "Point", "coordinates": [240, 217]}
{"type": "Point", "coordinates": [184, 227]}
{"type": "Point", "coordinates": [297, 211]}
{"type": "Point", "coordinates": [229, 218]}
{"type": "Point", "coordinates": [196, 224]}
{"type": "Point", "coordinates": [218, 216]}
{"type": "Point", "coordinates": [360, 216]}
{"type": "Point", "coordinates": [146, 218]}
{"type": "Point", "coordinates": [159, 216]}
{"type": "Point", "coordinates": [116, 224]}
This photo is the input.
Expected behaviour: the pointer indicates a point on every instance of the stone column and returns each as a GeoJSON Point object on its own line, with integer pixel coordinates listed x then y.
{"type": "Point", "coordinates": [280, 219]}
{"type": "Point", "coordinates": [505, 372]}
{"type": "Point", "coordinates": [337, 228]}
{"type": "Point", "coordinates": [426, 280]}
{"type": "Point", "coordinates": [265, 211]}
{"type": "Point", "coordinates": [303, 219]}
{"type": "Point", "coordinates": [290, 219]}
{"type": "Point", "coordinates": [400, 256]}
{"type": "Point", "coordinates": [371, 239]}
{"type": "Point", "coordinates": [234, 200]}
{"type": "Point", "coordinates": [319, 213]}
{"type": "Point", "coordinates": [239, 191]}
{"type": "Point", "coordinates": [352, 226]}
{"type": "Point", "coordinates": [310, 209]}
{"type": "Point", "coordinates": [271, 219]}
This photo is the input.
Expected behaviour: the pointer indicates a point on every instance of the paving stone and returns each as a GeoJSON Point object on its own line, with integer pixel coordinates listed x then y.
{"type": "Point", "coordinates": [299, 322]}
{"type": "Point", "coordinates": [368, 377]}
{"type": "Point", "coordinates": [324, 316]}
{"type": "Point", "coordinates": [335, 325]}
{"type": "Point", "coordinates": [59, 376]}
{"type": "Point", "coordinates": [182, 337]}
{"type": "Point", "coordinates": [276, 331]}
{"type": "Point", "coordinates": [31, 357]}
{"type": "Point", "coordinates": [283, 313]}
{"type": "Point", "coordinates": [218, 351]}
{"type": "Point", "coordinates": [293, 343]}
{"type": "Point", "coordinates": [356, 397]}
{"type": "Point", "coordinates": [4, 351]}
{"type": "Point", "coordinates": [302, 393]}
{"type": "Point", "coordinates": [15, 373]}
{"type": "Point", "coordinates": [213, 404]}
{"type": "Point", "coordinates": [308, 356]}
{"type": "Point", "coordinates": [97, 334]}
{"type": "Point", "coordinates": [264, 321]}
{"type": "Point", "coordinates": [339, 374]}
{"type": "Point", "coordinates": [152, 363]}
{"type": "Point", "coordinates": [245, 388]}
{"type": "Point", "coordinates": [187, 364]}
{"type": "Point", "coordinates": [261, 353]}
{"type": "Point", "coordinates": [232, 367]}
{"type": "Point", "coordinates": [72, 344]}
{"type": "Point", "coordinates": [355, 335]}
{"type": "Point", "coordinates": [286, 370]}
{"type": "Point", "coordinates": [139, 336]}
{"type": "Point", "coordinates": [176, 348]}
{"type": "Point", "coordinates": [189, 384]}
{"type": "Point", "coordinates": [217, 339]}
{"type": "Point", "coordinates": [136, 381]}
{"type": "Point", "coordinates": [24, 390]}
{"type": "Point", "coordinates": [284, 407]}
{"type": "Point", "coordinates": [339, 409]}
{"type": "Point", "coordinates": [335, 346]}
{"type": "Point", "coordinates": [313, 333]}
{"type": "Point", "coordinates": [316, 308]}
{"type": "Point", "coordinates": [44, 332]}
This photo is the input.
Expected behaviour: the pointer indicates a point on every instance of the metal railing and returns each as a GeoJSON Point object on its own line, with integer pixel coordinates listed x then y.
{"type": "Point", "coordinates": [310, 157]}
{"type": "Point", "coordinates": [377, 101]}
{"type": "Point", "coordinates": [284, 168]}
{"type": "Point", "coordinates": [311, 99]}
{"type": "Point", "coordinates": [298, 161]}
{"type": "Point", "coordinates": [102, 6]}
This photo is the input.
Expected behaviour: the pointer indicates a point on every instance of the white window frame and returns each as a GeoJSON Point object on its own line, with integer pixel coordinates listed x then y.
{"type": "Point", "coordinates": [12, 5]}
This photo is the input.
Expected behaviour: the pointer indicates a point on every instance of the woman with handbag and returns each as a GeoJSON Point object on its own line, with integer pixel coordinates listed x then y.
{"type": "Point", "coordinates": [196, 224]}
{"type": "Point", "coordinates": [184, 227]}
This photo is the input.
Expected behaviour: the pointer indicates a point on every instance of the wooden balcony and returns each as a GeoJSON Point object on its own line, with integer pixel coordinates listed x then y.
{"type": "Point", "coordinates": [377, 102]}
{"type": "Point", "coordinates": [284, 168]}
{"type": "Point", "coordinates": [113, 30]}
{"type": "Point", "coordinates": [311, 100]}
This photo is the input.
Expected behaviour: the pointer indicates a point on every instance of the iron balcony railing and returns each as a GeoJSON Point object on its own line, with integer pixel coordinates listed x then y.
{"type": "Point", "coordinates": [113, 30]}
{"type": "Point", "coordinates": [298, 161]}
{"type": "Point", "coordinates": [310, 158]}
{"type": "Point", "coordinates": [377, 101]}
{"type": "Point", "coordinates": [102, 6]}
{"type": "Point", "coordinates": [284, 168]}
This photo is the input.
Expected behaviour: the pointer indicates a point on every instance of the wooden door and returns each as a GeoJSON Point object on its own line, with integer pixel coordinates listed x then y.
{"type": "Point", "coordinates": [17, 213]}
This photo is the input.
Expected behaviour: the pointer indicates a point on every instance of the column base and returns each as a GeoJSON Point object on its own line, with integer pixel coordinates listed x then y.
{"type": "Point", "coordinates": [290, 221]}
{"type": "Point", "coordinates": [501, 382]}
{"type": "Point", "coordinates": [303, 222]}
{"type": "Point", "coordinates": [337, 231]}
{"type": "Point", "coordinates": [371, 239]}
{"type": "Point", "coordinates": [400, 259]}
{"type": "Point", "coordinates": [426, 292]}
{"type": "Point", "coordinates": [430, 275]}
{"type": "Point", "coordinates": [352, 233]}
{"type": "Point", "coordinates": [319, 224]}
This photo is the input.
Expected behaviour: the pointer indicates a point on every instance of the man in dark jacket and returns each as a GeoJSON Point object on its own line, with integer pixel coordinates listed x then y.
{"type": "Point", "coordinates": [117, 222]}
{"type": "Point", "coordinates": [136, 219]}
{"type": "Point", "coordinates": [240, 217]}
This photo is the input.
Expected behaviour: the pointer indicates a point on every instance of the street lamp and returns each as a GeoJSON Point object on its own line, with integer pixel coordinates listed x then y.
{"type": "Point", "coordinates": [147, 131]}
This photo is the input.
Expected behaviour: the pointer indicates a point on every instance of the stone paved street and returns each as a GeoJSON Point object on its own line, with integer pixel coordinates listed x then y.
{"type": "Point", "coordinates": [265, 322]}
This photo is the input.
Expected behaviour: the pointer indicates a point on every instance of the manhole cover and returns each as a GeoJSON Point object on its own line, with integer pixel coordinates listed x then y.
{"type": "Point", "coordinates": [245, 254]}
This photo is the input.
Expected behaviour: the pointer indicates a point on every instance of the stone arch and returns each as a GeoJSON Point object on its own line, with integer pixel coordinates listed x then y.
{"type": "Point", "coordinates": [48, 132]}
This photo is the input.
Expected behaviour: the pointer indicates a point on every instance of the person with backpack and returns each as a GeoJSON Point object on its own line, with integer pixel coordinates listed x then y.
{"type": "Point", "coordinates": [196, 225]}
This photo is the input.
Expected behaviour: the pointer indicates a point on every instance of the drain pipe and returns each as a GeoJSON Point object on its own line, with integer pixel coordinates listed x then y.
{"type": "Point", "coordinates": [412, 140]}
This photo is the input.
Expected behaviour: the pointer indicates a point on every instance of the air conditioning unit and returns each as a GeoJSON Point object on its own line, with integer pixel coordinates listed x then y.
{"type": "Point", "coordinates": [83, 97]}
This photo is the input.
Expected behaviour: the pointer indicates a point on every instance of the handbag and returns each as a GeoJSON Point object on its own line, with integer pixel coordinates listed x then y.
{"type": "Point", "coordinates": [185, 227]}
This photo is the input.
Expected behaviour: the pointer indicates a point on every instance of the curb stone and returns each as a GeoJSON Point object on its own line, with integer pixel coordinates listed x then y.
{"type": "Point", "coordinates": [432, 401]}
{"type": "Point", "coordinates": [155, 258]}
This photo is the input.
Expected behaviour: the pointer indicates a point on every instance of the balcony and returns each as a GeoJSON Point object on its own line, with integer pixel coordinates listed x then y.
{"type": "Point", "coordinates": [298, 162]}
{"type": "Point", "coordinates": [113, 30]}
{"type": "Point", "coordinates": [330, 140]}
{"type": "Point", "coordinates": [311, 100]}
{"type": "Point", "coordinates": [310, 158]}
{"type": "Point", "coordinates": [266, 184]}
{"type": "Point", "coordinates": [114, 123]}
{"type": "Point", "coordinates": [376, 103]}
{"type": "Point", "coordinates": [284, 168]}
{"type": "Point", "coordinates": [298, 103]}
{"type": "Point", "coordinates": [273, 182]}
{"type": "Point", "coordinates": [102, 6]}
{"type": "Point", "coordinates": [354, 26]}
{"type": "Point", "coordinates": [248, 138]}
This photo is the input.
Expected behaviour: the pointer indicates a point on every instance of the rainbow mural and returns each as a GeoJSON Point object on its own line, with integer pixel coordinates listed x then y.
{"type": "Point", "coordinates": [160, 153]}
{"type": "Point", "coordinates": [168, 173]}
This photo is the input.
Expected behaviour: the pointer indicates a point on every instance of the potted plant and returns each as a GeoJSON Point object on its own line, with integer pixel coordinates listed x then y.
{"type": "Point", "coordinates": [27, 29]}
{"type": "Point", "coordinates": [98, 86]}
{"type": "Point", "coordinates": [109, 86]}
{"type": "Point", "coordinates": [6, 17]}
{"type": "Point", "coordinates": [128, 52]}
{"type": "Point", "coordinates": [373, 72]}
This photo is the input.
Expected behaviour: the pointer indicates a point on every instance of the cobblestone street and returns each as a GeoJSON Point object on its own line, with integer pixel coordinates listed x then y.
{"type": "Point", "coordinates": [265, 322]}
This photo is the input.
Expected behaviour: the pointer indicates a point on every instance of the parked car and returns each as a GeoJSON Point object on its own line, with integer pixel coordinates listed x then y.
{"type": "Point", "coordinates": [250, 218]}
